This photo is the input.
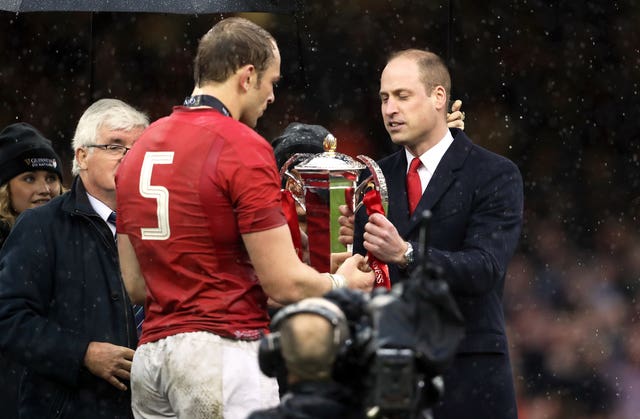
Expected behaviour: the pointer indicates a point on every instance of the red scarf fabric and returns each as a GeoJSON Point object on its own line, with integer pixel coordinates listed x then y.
{"type": "Point", "coordinates": [373, 204]}
{"type": "Point", "coordinates": [290, 213]}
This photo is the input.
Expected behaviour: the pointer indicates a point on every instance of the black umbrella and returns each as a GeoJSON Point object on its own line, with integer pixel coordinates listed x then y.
{"type": "Point", "coordinates": [155, 6]}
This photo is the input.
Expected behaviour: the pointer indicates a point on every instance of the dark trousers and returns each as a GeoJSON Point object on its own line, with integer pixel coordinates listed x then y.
{"type": "Point", "coordinates": [478, 386]}
{"type": "Point", "coordinates": [10, 373]}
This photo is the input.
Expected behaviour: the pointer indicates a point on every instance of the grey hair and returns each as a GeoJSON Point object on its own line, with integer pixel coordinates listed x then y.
{"type": "Point", "coordinates": [113, 113]}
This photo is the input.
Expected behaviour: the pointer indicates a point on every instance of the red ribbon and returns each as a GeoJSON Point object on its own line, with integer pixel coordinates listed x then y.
{"type": "Point", "coordinates": [373, 204]}
{"type": "Point", "coordinates": [290, 213]}
{"type": "Point", "coordinates": [348, 197]}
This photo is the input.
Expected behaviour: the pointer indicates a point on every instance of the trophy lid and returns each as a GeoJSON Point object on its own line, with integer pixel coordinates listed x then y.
{"type": "Point", "coordinates": [330, 160]}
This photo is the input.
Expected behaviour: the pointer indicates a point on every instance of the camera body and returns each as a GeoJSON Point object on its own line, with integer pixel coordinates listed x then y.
{"type": "Point", "coordinates": [390, 347]}
{"type": "Point", "coordinates": [400, 342]}
{"type": "Point", "coordinates": [382, 372]}
{"type": "Point", "coordinates": [393, 378]}
{"type": "Point", "coordinates": [397, 344]}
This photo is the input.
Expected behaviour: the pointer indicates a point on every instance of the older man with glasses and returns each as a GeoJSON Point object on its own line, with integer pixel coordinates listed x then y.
{"type": "Point", "coordinates": [64, 312]}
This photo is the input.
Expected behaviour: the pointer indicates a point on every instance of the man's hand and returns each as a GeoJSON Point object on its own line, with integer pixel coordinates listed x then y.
{"type": "Point", "coordinates": [455, 119]}
{"type": "Point", "coordinates": [109, 362]}
{"type": "Point", "coordinates": [357, 272]}
{"type": "Point", "coordinates": [337, 259]}
{"type": "Point", "coordinates": [304, 242]}
{"type": "Point", "coordinates": [346, 221]}
{"type": "Point", "coordinates": [382, 239]}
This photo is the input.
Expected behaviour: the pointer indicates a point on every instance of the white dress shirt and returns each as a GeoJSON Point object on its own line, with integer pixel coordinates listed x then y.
{"type": "Point", "coordinates": [430, 159]}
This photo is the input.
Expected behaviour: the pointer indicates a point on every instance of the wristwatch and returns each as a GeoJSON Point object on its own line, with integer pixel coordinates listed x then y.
{"type": "Point", "coordinates": [408, 256]}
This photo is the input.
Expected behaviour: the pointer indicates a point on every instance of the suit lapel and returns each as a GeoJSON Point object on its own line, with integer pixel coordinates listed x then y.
{"type": "Point", "coordinates": [446, 173]}
{"type": "Point", "coordinates": [395, 175]}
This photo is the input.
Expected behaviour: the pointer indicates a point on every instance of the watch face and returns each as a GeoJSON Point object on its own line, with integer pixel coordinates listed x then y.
{"type": "Point", "coordinates": [408, 255]}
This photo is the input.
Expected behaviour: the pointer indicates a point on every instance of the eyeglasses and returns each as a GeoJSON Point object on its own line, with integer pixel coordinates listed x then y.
{"type": "Point", "coordinates": [112, 149]}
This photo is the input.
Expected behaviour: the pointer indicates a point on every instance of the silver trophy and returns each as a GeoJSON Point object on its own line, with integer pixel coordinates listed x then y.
{"type": "Point", "coordinates": [320, 183]}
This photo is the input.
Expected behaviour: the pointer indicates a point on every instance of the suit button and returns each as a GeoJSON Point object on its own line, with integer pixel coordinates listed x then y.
{"type": "Point", "coordinates": [114, 296]}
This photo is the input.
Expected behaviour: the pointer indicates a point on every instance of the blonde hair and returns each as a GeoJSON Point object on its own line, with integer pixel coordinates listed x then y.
{"type": "Point", "coordinates": [432, 68]}
{"type": "Point", "coordinates": [7, 214]}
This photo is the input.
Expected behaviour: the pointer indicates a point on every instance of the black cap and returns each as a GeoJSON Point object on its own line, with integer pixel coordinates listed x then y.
{"type": "Point", "coordinates": [298, 138]}
{"type": "Point", "coordinates": [24, 149]}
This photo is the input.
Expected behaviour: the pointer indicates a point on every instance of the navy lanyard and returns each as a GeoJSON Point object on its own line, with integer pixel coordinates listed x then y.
{"type": "Point", "coordinates": [206, 100]}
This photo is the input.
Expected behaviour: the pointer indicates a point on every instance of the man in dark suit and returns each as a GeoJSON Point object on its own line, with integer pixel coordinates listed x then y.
{"type": "Point", "coordinates": [476, 200]}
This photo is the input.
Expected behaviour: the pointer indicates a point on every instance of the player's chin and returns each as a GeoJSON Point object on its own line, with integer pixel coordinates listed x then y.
{"type": "Point", "coordinates": [250, 121]}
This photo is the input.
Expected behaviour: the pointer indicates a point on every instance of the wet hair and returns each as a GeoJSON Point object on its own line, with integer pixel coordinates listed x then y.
{"type": "Point", "coordinates": [433, 70]}
{"type": "Point", "coordinates": [113, 113]}
{"type": "Point", "coordinates": [229, 45]}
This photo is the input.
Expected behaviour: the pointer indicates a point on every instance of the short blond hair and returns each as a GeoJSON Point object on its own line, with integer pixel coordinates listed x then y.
{"type": "Point", "coordinates": [433, 70]}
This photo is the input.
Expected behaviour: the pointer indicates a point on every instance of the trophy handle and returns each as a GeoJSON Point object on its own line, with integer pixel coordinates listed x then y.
{"type": "Point", "coordinates": [292, 180]}
{"type": "Point", "coordinates": [375, 180]}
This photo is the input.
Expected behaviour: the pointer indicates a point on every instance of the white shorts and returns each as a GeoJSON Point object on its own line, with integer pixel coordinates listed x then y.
{"type": "Point", "coordinates": [199, 375]}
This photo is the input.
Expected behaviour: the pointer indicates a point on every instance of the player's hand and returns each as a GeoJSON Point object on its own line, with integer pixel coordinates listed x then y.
{"type": "Point", "coordinates": [357, 273]}
{"type": "Point", "coordinates": [346, 221]}
{"type": "Point", "coordinates": [337, 259]}
{"type": "Point", "coordinates": [304, 241]}
{"type": "Point", "coordinates": [455, 119]}
{"type": "Point", "coordinates": [271, 303]}
{"type": "Point", "coordinates": [110, 362]}
{"type": "Point", "coordinates": [382, 239]}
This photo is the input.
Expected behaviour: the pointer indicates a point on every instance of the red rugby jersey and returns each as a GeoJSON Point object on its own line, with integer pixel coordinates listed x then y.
{"type": "Point", "coordinates": [191, 185]}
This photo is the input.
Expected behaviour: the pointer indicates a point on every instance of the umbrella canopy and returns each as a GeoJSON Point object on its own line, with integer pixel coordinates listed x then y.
{"type": "Point", "coordinates": [153, 6]}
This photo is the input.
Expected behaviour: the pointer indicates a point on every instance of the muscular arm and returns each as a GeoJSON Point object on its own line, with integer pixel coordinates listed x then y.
{"type": "Point", "coordinates": [130, 268]}
{"type": "Point", "coordinates": [284, 277]}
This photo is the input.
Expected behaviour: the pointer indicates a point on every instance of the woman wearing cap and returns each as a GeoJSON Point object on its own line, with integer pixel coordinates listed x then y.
{"type": "Point", "coordinates": [30, 173]}
{"type": "Point", "coordinates": [30, 176]}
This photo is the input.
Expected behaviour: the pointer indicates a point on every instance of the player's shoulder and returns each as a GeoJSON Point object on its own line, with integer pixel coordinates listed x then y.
{"type": "Point", "coordinates": [243, 139]}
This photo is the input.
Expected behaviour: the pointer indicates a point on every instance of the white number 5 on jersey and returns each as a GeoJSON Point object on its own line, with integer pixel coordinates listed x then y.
{"type": "Point", "coordinates": [159, 193]}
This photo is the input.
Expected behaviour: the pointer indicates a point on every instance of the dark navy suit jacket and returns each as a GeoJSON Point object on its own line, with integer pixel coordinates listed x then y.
{"type": "Point", "coordinates": [476, 200]}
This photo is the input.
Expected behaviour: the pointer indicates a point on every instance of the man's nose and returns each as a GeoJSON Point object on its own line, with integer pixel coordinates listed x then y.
{"type": "Point", "coordinates": [390, 107]}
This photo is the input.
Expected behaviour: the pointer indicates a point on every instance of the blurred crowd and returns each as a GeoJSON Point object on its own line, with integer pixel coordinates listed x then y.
{"type": "Point", "coordinates": [573, 324]}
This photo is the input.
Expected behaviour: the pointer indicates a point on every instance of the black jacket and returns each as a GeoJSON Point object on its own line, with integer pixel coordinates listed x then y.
{"type": "Point", "coordinates": [314, 400]}
{"type": "Point", "coordinates": [60, 288]}
{"type": "Point", "coordinates": [476, 201]}
{"type": "Point", "coordinates": [4, 232]}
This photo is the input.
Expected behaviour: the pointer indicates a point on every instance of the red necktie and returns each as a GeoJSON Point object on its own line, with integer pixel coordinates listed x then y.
{"type": "Point", "coordinates": [414, 186]}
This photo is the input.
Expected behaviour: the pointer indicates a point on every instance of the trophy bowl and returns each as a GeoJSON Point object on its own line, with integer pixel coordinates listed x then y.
{"type": "Point", "coordinates": [320, 184]}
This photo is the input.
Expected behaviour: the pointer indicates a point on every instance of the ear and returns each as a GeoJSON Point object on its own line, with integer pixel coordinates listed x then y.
{"type": "Point", "coordinates": [81, 155]}
{"type": "Point", "coordinates": [247, 76]}
{"type": "Point", "coordinates": [439, 97]}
